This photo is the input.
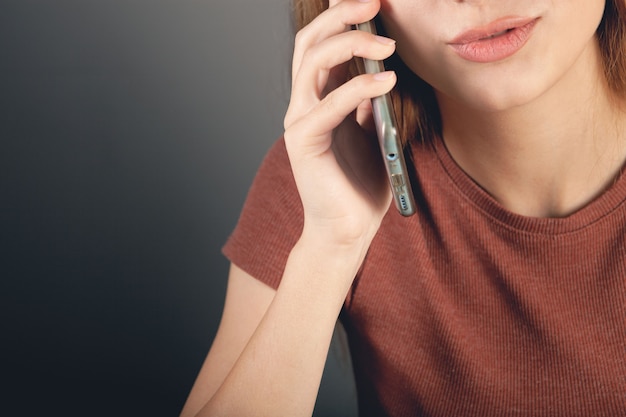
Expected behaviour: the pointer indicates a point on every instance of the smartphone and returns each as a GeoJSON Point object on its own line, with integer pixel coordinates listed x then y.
{"type": "Point", "coordinates": [390, 145]}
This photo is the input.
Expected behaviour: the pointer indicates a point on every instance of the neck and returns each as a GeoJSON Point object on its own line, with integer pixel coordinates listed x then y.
{"type": "Point", "coordinates": [547, 158]}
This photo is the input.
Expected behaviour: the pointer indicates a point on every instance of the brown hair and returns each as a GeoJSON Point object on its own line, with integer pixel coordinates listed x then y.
{"type": "Point", "coordinates": [414, 100]}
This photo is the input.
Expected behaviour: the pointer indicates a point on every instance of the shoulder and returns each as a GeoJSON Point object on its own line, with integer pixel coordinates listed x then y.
{"type": "Point", "coordinates": [270, 222]}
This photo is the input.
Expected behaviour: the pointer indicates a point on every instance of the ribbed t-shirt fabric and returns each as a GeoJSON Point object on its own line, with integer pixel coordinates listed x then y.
{"type": "Point", "coordinates": [467, 309]}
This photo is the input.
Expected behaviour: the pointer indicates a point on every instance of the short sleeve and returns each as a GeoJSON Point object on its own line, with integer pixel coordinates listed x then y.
{"type": "Point", "coordinates": [270, 222]}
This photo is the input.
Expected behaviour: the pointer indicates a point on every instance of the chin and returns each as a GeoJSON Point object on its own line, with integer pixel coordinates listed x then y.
{"type": "Point", "coordinates": [495, 103]}
{"type": "Point", "coordinates": [488, 88]}
{"type": "Point", "coordinates": [508, 94]}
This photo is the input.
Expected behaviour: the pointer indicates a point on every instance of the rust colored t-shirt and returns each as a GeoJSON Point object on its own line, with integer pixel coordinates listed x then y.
{"type": "Point", "coordinates": [466, 309]}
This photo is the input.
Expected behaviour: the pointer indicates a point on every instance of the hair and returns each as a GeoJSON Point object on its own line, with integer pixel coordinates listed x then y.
{"type": "Point", "coordinates": [414, 100]}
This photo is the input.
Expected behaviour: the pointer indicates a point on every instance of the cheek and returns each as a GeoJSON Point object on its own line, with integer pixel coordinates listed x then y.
{"type": "Point", "coordinates": [575, 19]}
{"type": "Point", "coordinates": [429, 63]}
{"type": "Point", "coordinates": [421, 50]}
{"type": "Point", "coordinates": [417, 31]}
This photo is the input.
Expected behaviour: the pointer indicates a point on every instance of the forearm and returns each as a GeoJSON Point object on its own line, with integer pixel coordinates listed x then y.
{"type": "Point", "coordinates": [279, 371]}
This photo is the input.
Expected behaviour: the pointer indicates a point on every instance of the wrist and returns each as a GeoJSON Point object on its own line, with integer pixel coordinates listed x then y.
{"type": "Point", "coordinates": [345, 253]}
{"type": "Point", "coordinates": [345, 235]}
{"type": "Point", "coordinates": [321, 270]}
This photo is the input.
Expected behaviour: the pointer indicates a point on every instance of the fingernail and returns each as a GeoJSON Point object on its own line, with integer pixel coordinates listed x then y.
{"type": "Point", "coordinates": [384, 41]}
{"type": "Point", "coordinates": [382, 76]}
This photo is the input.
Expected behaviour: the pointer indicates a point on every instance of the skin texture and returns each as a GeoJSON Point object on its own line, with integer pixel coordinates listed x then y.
{"type": "Point", "coordinates": [538, 130]}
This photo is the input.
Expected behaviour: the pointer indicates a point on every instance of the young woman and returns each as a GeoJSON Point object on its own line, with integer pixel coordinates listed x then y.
{"type": "Point", "coordinates": [505, 294]}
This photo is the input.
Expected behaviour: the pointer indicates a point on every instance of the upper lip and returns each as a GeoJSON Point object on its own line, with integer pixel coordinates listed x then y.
{"type": "Point", "coordinates": [493, 28]}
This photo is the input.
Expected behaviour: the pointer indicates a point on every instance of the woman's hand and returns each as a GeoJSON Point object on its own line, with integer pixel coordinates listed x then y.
{"type": "Point", "coordinates": [285, 334]}
{"type": "Point", "coordinates": [329, 133]}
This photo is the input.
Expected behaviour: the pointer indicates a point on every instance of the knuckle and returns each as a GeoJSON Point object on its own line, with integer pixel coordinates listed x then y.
{"type": "Point", "coordinates": [306, 57]}
{"type": "Point", "coordinates": [332, 103]}
{"type": "Point", "coordinates": [294, 114]}
{"type": "Point", "coordinates": [358, 86]}
{"type": "Point", "coordinates": [302, 37]}
{"type": "Point", "coordinates": [358, 38]}
{"type": "Point", "coordinates": [311, 56]}
{"type": "Point", "coordinates": [290, 118]}
{"type": "Point", "coordinates": [290, 134]}
{"type": "Point", "coordinates": [287, 121]}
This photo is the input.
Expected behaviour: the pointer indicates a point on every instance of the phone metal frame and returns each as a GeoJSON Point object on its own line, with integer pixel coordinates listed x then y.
{"type": "Point", "coordinates": [390, 144]}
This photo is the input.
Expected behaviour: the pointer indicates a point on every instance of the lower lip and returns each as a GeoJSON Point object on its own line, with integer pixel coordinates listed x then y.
{"type": "Point", "coordinates": [497, 48]}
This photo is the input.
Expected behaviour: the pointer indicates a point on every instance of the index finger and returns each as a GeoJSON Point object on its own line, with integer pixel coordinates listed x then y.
{"type": "Point", "coordinates": [332, 21]}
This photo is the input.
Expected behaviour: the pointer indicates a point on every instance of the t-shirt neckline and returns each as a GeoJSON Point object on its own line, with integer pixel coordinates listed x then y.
{"type": "Point", "coordinates": [602, 206]}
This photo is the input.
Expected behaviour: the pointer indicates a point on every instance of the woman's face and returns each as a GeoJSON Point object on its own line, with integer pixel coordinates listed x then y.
{"type": "Point", "coordinates": [494, 54]}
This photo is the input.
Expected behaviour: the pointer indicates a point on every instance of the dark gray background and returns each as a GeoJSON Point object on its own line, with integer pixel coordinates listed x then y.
{"type": "Point", "coordinates": [130, 131]}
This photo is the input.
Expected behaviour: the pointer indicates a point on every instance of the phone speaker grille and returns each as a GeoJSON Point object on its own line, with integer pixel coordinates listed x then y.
{"type": "Point", "coordinates": [403, 203]}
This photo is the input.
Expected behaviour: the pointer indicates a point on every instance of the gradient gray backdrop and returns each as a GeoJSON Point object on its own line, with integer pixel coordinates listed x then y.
{"type": "Point", "coordinates": [130, 131]}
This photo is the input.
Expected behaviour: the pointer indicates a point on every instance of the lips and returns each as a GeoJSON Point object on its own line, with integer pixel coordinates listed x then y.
{"type": "Point", "coordinates": [495, 41]}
